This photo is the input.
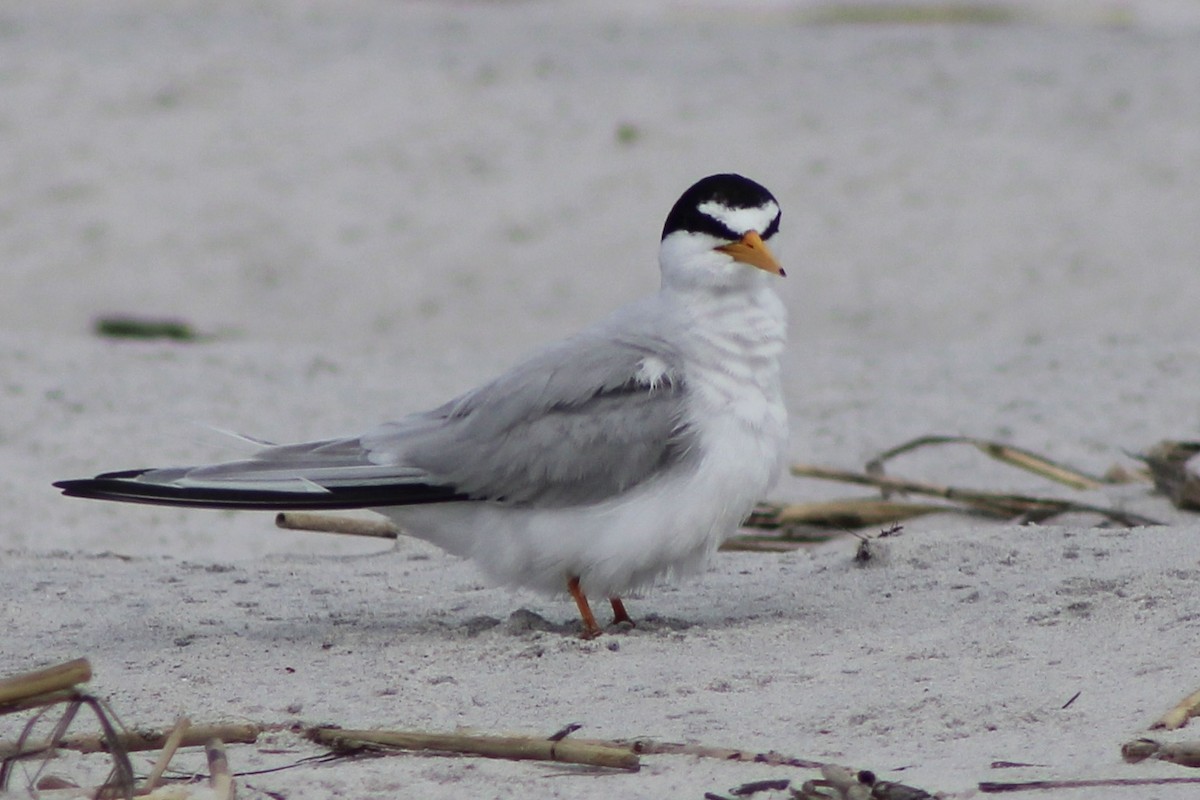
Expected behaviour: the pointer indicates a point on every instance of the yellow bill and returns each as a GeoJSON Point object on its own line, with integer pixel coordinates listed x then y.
{"type": "Point", "coordinates": [753, 250]}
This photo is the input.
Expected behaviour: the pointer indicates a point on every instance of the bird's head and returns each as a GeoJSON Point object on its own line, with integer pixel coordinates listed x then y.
{"type": "Point", "coordinates": [717, 233]}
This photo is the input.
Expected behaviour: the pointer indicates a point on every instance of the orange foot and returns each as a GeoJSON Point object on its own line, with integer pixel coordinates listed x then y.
{"type": "Point", "coordinates": [619, 613]}
{"type": "Point", "coordinates": [590, 629]}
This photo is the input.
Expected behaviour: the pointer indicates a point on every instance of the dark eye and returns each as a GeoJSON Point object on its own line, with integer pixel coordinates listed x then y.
{"type": "Point", "coordinates": [772, 229]}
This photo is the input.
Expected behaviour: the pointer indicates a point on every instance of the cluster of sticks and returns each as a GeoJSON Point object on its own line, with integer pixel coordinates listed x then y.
{"type": "Point", "coordinates": [57, 687]}
{"type": "Point", "coordinates": [1172, 467]}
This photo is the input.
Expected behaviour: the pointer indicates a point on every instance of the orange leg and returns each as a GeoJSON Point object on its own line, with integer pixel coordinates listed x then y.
{"type": "Point", "coordinates": [590, 629]}
{"type": "Point", "coordinates": [619, 612]}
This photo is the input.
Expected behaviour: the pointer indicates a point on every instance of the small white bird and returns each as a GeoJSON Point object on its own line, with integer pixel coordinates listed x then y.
{"type": "Point", "coordinates": [621, 456]}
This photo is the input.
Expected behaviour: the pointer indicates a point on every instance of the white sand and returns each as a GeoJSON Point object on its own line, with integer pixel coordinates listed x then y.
{"type": "Point", "coordinates": [989, 230]}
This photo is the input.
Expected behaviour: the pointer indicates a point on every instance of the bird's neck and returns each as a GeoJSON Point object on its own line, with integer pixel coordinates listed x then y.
{"type": "Point", "coordinates": [748, 318]}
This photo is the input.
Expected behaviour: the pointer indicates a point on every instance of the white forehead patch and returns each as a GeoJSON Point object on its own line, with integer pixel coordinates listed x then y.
{"type": "Point", "coordinates": [740, 220]}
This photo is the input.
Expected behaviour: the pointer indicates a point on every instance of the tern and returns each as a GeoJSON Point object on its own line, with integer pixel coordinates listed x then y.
{"type": "Point", "coordinates": [602, 464]}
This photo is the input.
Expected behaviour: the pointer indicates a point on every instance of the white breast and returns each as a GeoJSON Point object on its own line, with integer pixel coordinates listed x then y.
{"type": "Point", "coordinates": [667, 526]}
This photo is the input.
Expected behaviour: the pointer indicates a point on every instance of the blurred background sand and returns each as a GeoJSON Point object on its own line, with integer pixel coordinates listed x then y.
{"type": "Point", "coordinates": [990, 229]}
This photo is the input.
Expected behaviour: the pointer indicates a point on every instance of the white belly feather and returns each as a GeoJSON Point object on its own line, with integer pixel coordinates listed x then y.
{"type": "Point", "coordinates": [667, 526]}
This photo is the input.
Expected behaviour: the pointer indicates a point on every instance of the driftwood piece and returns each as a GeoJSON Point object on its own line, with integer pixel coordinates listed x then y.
{"type": "Point", "coordinates": [517, 748]}
{"type": "Point", "coordinates": [1176, 472]}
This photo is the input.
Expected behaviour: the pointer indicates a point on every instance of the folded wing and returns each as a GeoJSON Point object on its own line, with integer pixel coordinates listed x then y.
{"type": "Point", "coordinates": [578, 423]}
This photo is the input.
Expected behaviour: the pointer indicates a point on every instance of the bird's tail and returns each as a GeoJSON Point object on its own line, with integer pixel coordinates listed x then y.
{"type": "Point", "coordinates": [249, 485]}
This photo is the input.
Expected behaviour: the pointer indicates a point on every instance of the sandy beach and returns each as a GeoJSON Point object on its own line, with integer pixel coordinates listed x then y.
{"type": "Point", "coordinates": [363, 209]}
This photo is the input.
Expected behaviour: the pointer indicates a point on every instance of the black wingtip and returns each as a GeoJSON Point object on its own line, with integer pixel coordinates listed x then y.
{"type": "Point", "coordinates": [100, 487]}
{"type": "Point", "coordinates": [122, 487]}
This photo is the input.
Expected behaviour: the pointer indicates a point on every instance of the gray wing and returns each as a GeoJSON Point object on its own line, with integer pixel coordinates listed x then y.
{"type": "Point", "coordinates": [578, 423]}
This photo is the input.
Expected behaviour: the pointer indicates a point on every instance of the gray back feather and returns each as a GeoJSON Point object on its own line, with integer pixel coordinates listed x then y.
{"type": "Point", "coordinates": [577, 423]}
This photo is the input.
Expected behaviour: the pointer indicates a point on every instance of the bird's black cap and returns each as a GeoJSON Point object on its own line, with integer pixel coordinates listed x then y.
{"type": "Point", "coordinates": [728, 189]}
